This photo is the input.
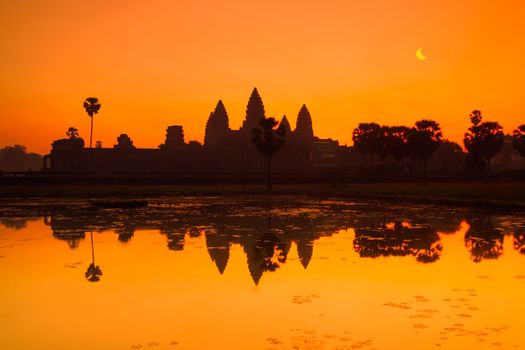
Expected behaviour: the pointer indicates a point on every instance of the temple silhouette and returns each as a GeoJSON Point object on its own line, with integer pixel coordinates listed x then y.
{"type": "Point", "coordinates": [224, 150]}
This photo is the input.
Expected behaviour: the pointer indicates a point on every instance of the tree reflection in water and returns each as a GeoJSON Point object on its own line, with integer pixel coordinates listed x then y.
{"type": "Point", "coordinates": [483, 240]}
{"type": "Point", "coordinates": [398, 239]}
{"type": "Point", "coordinates": [93, 272]}
{"type": "Point", "coordinates": [266, 254]}
{"type": "Point", "coordinates": [519, 240]}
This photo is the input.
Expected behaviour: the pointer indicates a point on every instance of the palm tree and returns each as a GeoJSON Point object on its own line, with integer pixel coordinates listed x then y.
{"type": "Point", "coordinates": [398, 142]}
{"type": "Point", "coordinates": [93, 272]}
{"type": "Point", "coordinates": [424, 140]}
{"type": "Point", "coordinates": [519, 140]}
{"type": "Point", "coordinates": [92, 106]}
{"type": "Point", "coordinates": [72, 133]}
{"type": "Point", "coordinates": [366, 139]}
{"type": "Point", "coordinates": [268, 141]}
{"type": "Point", "coordinates": [483, 139]}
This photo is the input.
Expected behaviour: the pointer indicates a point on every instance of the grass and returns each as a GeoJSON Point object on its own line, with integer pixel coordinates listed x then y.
{"type": "Point", "coordinates": [510, 195]}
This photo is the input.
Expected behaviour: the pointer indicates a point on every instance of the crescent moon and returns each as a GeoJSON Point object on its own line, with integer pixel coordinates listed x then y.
{"type": "Point", "coordinates": [419, 55]}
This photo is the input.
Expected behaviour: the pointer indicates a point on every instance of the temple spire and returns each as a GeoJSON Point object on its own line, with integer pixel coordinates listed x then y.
{"type": "Point", "coordinates": [286, 124]}
{"type": "Point", "coordinates": [254, 112]}
{"type": "Point", "coordinates": [304, 127]}
{"type": "Point", "coordinates": [217, 127]}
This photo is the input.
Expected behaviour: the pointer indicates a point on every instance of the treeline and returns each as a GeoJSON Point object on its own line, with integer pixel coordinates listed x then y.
{"type": "Point", "coordinates": [483, 141]}
{"type": "Point", "coordinates": [16, 158]}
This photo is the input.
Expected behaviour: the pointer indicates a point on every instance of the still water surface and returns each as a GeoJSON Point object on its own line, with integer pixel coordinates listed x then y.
{"type": "Point", "coordinates": [252, 273]}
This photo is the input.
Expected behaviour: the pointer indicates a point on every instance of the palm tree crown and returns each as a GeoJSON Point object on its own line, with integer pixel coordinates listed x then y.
{"type": "Point", "coordinates": [92, 106]}
{"type": "Point", "coordinates": [266, 139]}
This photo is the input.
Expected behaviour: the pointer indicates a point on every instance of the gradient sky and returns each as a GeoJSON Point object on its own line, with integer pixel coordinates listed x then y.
{"type": "Point", "coordinates": [158, 63]}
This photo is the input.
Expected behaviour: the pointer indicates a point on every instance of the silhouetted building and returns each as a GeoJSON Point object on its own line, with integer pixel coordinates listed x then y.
{"type": "Point", "coordinates": [254, 113]}
{"type": "Point", "coordinates": [304, 129]}
{"type": "Point", "coordinates": [217, 127]}
{"type": "Point", "coordinates": [224, 150]}
{"type": "Point", "coordinates": [219, 249]}
{"type": "Point", "coordinates": [325, 153]}
{"type": "Point", "coordinates": [174, 138]}
{"type": "Point", "coordinates": [286, 125]}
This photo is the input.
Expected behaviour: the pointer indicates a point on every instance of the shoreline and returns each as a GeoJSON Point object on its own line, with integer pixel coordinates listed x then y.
{"type": "Point", "coordinates": [489, 196]}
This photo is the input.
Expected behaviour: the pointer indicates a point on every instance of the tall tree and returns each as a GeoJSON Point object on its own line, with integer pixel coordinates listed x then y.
{"type": "Point", "coordinates": [449, 156]}
{"type": "Point", "coordinates": [365, 138]}
{"type": "Point", "coordinates": [424, 140]}
{"type": "Point", "coordinates": [483, 139]}
{"type": "Point", "coordinates": [383, 143]}
{"type": "Point", "coordinates": [268, 140]}
{"type": "Point", "coordinates": [92, 106]}
{"type": "Point", "coordinates": [397, 145]}
{"type": "Point", "coordinates": [518, 140]}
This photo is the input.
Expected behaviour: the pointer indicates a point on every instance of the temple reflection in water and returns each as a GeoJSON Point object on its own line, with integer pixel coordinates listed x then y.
{"type": "Point", "coordinates": [266, 231]}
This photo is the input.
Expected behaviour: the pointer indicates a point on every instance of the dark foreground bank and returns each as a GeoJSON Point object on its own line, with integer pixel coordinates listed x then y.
{"type": "Point", "coordinates": [508, 196]}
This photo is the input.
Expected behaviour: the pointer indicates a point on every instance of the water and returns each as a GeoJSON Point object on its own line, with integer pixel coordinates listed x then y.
{"type": "Point", "coordinates": [258, 273]}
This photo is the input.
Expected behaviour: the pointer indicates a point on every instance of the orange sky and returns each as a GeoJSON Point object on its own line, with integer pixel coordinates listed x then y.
{"type": "Point", "coordinates": [158, 63]}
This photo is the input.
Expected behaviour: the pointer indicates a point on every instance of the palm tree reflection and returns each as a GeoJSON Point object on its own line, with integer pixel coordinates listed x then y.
{"type": "Point", "coordinates": [267, 253]}
{"type": "Point", "coordinates": [483, 240]}
{"type": "Point", "coordinates": [399, 239]}
{"type": "Point", "coordinates": [93, 272]}
{"type": "Point", "coordinates": [519, 240]}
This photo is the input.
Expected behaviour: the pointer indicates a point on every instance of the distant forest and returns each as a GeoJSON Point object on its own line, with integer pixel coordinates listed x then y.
{"type": "Point", "coordinates": [16, 158]}
{"type": "Point", "coordinates": [484, 142]}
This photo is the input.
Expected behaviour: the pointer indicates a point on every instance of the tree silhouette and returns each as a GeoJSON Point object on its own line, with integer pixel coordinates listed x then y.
{"type": "Point", "coordinates": [92, 106]}
{"type": "Point", "coordinates": [492, 136]}
{"type": "Point", "coordinates": [518, 140]}
{"type": "Point", "coordinates": [268, 140]}
{"type": "Point", "coordinates": [124, 142]}
{"type": "Point", "coordinates": [270, 252]}
{"type": "Point", "coordinates": [483, 139]}
{"type": "Point", "coordinates": [382, 143]}
{"type": "Point", "coordinates": [365, 138]}
{"type": "Point", "coordinates": [475, 117]}
{"type": "Point", "coordinates": [16, 158]}
{"type": "Point", "coordinates": [483, 239]}
{"type": "Point", "coordinates": [449, 156]}
{"type": "Point", "coordinates": [420, 241]}
{"type": "Point", "coordinates": [424, 140]}
{"type": "Point", "coordinates": [72, 133]}
{"type": "Point", "coordinates": [397, 145]}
